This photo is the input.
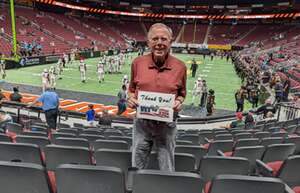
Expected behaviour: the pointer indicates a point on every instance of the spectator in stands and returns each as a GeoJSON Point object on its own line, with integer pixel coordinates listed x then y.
{"type": "Point", "coordinates": [90, 115]}
{"type": "Point", "coordinates": [105, 119]}
{"type": "Point", "coordinates": [249, 120]}
{"type": "Point", "coordinates": [15, 96]}
{"type": "Point", "coordinates": [265, 109]}
{"type": "Point", "coordinates": [50, 105]}
{"type": "Point", "coordinates": [164, 74]}
{"type": "Point", "coordinates": [278, 91]}
{"type": "Point", "coordinates": [122, 95]}
{"type": "Point", "coordinates": [4, 119]}
{"type": "Point", "coordinates": [236, 123]}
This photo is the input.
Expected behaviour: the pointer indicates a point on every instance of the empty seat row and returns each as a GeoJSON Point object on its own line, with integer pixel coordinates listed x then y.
{"type": "Point", "coordinates": [31, 178]}
{"type": "Point", "coordinates": [205, 137]}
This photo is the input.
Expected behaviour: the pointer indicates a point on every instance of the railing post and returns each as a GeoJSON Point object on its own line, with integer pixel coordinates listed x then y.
{"type": "Point", "coordinates": [278, 114]}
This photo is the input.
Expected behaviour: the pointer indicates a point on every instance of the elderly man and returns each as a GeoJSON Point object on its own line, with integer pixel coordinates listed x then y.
{"type": "Point", "coordinates": [158, 72]}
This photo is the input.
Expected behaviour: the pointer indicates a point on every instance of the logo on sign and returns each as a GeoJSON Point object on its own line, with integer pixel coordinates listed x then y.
{"type": "Point", "coordinates": [154, 111]}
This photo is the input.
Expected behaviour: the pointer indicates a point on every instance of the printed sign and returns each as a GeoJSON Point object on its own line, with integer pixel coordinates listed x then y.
{"type": "Point", "coordinates": [32, 61]}
{"type": "Point", "coordinates": [52, 58]}
{"type": "Point", "coordinates": [155, 106]}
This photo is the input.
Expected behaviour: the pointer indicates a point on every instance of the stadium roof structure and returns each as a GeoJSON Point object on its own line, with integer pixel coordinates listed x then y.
{"type": "Point", "coordinates": [190, 10]}
{"type": "Point", "coordinates": [195, 4]}
{"type": "Point", "coordinates": [203, 2]}
{"type": "Point", "coordinates": [216, 7]}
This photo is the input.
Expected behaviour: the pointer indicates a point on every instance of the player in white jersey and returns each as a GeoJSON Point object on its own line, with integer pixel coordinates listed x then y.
{"type": "Point", "coordinates": [59, 67]}
{"type": "Point", "coordinates": [116, 64]}
{"type": "Point", "coordinates": [119, 63]}
{"type": "Point", "coordinates": [110, 64]}
{"type": "Point", "coordinates": [82, 69]}
{"type": "Point", "coordinates": [72, 57]}
{"type": "Point", "coordinates": [2, 67]}
{"type": "Point", "coordinates": [122, 61]}
{"type": "Point", "coordinates": [125, 81]}
{"type": "Point", "coordinates": [52, 77]}
{"type": "Point", "coordinates": [100, 70]}
{"type": "Point", "coordinates": [197, 89]}
{"type": "Point", "coordinates": [66, 59]}
{"type": "Point", "coordinates": [45, 79]}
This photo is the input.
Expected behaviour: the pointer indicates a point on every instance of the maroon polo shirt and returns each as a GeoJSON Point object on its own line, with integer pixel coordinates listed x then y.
{"type": "Point", "coordinates": [146, 76]}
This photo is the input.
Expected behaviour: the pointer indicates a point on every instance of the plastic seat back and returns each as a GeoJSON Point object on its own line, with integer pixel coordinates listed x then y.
{"type": "Point", "coordinates": [150, 181]}
{"type": "Point", "coordinates": [57, 154]}
{"type": "Point", "coordinates": [23, 177]}
{"type": "Point", "coordinates": [246, 184]}
{"type": "Point", "coordinates": [20, 152]}
{"type": "Point", "coordinates": [93, 179]}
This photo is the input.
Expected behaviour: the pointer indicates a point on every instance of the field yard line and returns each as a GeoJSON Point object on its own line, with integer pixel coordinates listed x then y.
{"type": "Point", "coordinates": [203, 75]}
{"type": "Point", "coordinates": [88, 78]}
{"type": "Point", "coordinates": [89, 92]}
{"type": "Point", "coordinates": [219, 93]}
{"type": "Point", "coordinates": [222, 84]}
{"type": "Point", "coordinates": [223, 73]}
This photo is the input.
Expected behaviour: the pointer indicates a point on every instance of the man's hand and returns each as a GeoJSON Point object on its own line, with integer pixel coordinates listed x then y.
{"type": "Point", "coordinates": [132, 102]}
{"type": "Point", "coordinates": [29, 105]}
{"type": "Point", "coordinates": [177, 105]}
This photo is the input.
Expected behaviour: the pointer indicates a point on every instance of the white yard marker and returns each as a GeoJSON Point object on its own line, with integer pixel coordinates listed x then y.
{"type": "Point", "coordinates": [203, 75]}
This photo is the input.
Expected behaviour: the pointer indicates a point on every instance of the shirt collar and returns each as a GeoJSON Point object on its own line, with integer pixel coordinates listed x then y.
{"type": "Point", "coordinates": [167, 65]}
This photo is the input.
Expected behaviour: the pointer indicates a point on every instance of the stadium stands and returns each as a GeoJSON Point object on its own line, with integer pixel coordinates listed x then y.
{"type": "Point", "coordinates": [227, 34]}
{"type": "Point", "coordinates": [76, 150]}
{"type": "Point", "coordinates": [66, 32]}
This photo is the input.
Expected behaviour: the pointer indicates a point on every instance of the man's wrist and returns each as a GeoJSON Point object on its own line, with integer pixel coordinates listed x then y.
{"type": "Point", "coordinates": [180, 99]}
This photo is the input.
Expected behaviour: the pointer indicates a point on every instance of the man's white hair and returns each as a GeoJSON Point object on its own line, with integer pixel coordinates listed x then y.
{"type": "Point", "coordinates": [160, 25]}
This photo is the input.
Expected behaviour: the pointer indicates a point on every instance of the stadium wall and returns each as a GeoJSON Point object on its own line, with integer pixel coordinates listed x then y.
{"type": "Point", "coordinates": [48, 59]}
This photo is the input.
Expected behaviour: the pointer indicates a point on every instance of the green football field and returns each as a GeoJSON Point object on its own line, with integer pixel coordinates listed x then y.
{"type": "Point", "coordinates": [219, 74]}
